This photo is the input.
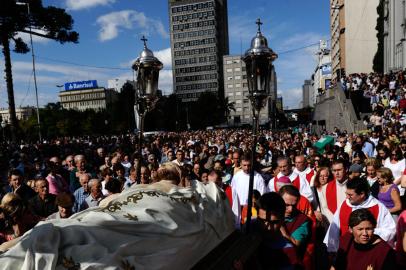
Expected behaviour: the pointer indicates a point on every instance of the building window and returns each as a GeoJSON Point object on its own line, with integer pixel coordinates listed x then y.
{"type": "Point", "coordinates": [229, 70]}
{"type": "Point", "coordinates": [238, 77]}
{"type": "Point", "coordinates": [238, 93]}
{"type": "Point", "coordinates": [229, 86]}
{"type": "Point", "coordinates": [228, 62]}
{"type": "Point", "coordinates": [237, 69]}
{"type": "Point", "coordinates": [229, 78]}
{"type": "Point", "coordinates": [238, 85]}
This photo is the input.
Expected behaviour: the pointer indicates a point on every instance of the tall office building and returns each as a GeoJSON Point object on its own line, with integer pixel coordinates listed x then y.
{"type": "Point", "coordinates": [353, 36]}
{"type": "Point", "coordinates": [307, 90]}
{"type": "Point", "coordinates": [394, 12]}
{"type": "Point", "coordinates": [199, 39]}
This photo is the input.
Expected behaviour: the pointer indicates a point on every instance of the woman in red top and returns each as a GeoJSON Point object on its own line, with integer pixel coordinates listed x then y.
{"type": "Point", "coordinates": [360, 248]}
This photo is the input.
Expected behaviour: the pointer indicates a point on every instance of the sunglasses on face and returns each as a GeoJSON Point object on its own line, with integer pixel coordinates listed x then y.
{"type": "Point", "coordinates": [269, 222]}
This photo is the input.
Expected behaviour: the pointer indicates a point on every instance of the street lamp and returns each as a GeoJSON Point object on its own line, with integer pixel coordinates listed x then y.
{"type": "Point", "coordinates": [33, 67]}
{"type": "Point", "coordinates": [147, 67]}
{"type": "Point", "coordinates": [258, 60]}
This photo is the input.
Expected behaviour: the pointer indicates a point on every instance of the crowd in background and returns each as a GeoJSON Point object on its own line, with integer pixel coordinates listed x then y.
{"type": "Point", "coordinates": [309, 201]}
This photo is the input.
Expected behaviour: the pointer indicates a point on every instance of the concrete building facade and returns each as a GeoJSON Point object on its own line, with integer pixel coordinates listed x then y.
{"type": "Point", "coordinates": [95, 99]}
{"type": "Point", "coordinates": [22, 113]}
{"type": "Point", "coordinates": [236, 90]}
{"type": "Point", "coordinates": [199, 39]}
{"type": "Point", "coordinates": [353, 36]}
{"type": "Point", "coordinates": [394, 35]}
{"type": "Point", "coordinates": [322, 73]}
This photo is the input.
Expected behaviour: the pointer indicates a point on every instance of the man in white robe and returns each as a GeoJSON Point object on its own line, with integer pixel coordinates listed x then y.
{"type": "Point", "coordinates": [240, 185]}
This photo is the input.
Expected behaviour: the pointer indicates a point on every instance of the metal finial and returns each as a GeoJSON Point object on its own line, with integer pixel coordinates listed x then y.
{"type": "Point", "coordinates": [259, 23]}
{"type": "Point", "coordinates": [145, 41]}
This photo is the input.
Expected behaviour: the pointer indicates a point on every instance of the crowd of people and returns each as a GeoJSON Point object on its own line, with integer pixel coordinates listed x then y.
{"type": "Point", "coordinates": [313, 207]}
{"type": "Point", "coordinates": [383, 95]}
{"type": "Point", "coordinates": [309, 203]}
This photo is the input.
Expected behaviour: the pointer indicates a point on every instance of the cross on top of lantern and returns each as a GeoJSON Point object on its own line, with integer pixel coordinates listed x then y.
{"type": "Point", "coordinates": [147, 67]}
{"type": "Point", "coordinates": [258, 60]}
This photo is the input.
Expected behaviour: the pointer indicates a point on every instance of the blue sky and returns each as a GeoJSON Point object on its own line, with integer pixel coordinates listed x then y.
{"type": "Point", "coordinates": [109, 37]}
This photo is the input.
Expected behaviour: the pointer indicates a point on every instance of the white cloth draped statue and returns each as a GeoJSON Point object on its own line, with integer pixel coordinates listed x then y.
{"type": "Point", "coordinates": [158, 226]}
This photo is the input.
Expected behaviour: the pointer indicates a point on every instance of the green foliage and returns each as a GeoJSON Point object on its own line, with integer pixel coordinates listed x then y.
{"type": "Point", "coordinates": [55, 22]}
{"type": "Point", "coordinates": [378, 61]}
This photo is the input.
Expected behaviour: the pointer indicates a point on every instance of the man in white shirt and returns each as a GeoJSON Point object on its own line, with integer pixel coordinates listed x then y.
{"type": "Point", "coordinates": [240, 185]}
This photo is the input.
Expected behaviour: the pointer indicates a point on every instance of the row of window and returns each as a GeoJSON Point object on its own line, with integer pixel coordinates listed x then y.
{"type": "Point", "coordinates": [184, 8]}
{"type": "Point", "coordinates": [195, 69]}
{"type": "Point", "coordinates": [192, 16]}
{"type": "Point", "coordinates": [82, 96]}
{"type": "Point", "coordinates": [194, 34]}
{"type": "Point", "coordinates": [196, 86]}
{"type": "Point", "coordinates": [193, 78]}
{"type": "Point", "coordinates": [237, 69]}
{"type": "Point", "coordinates": [195, 51]}
{"type": "Point", "coordinates": [192, 25]}
{"type": "Point", "coordinates": [194, 60]}
{"type": "Point", "coordinates": [236, 77]}
{"type": "Point", "coordinates": [229, 62]}
{"type": "Point", "coordinates": [196, 42]}
{"type": "Point", "coordinates": [92, 103]}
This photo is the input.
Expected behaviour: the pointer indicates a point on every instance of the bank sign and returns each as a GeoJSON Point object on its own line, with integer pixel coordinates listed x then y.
{"type": "Point", "coordinates": [80, 85]}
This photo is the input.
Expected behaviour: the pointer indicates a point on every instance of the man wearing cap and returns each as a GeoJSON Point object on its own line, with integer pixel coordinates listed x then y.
{"type": "Point", "coordinates": [285, 169]}
{"type": "Point", "coordinates": [64, 201]}
{"type": "Point", "coordinates": [355, 171]}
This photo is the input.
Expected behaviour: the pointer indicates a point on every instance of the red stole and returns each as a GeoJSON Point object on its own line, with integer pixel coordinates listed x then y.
{"type": "Point", "coordinates": [227, 190]}
{"type": "Point", "coordinates": [331, 196]}
{"type": "Point", "coordinates": [345, 212]}
{"type": "Point", "coordinates": [295, 182]}
{"type": "Point", "coordinates": [309, 176]}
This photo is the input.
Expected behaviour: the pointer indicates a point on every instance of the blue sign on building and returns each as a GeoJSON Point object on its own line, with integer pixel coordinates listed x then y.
{"type": "Point", "coordinates": [80, 85]}
{"type": "Point", "coordinates": [326, 69]}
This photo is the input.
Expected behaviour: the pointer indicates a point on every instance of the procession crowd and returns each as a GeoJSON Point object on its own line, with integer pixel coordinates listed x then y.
{"type": "Point", "coordinates": [341, 205]}
{"type": "Point", "coordinates": [308, 202]}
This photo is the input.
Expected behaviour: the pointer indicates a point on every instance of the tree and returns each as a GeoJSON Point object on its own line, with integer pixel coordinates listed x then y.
{"type": "Point", "coordinates": [380, 28]}
{"type": "Point", "coordinates": [227, 107]}
{"type": "Point", "coordinates": [54, 22]}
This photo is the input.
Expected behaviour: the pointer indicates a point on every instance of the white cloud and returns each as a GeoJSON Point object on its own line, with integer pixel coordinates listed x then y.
{"type": "Point", "coordinates": [291, 97]}
{"type": "Point", "coordinates": [164, 56]}
{"type": "Point", "coordinates": [166, 81]}
{"type": "Point", "coordinates": [112, 23]}
{"type": "Point", "coordinates": [83, 4]}
{"type": "Point", "coordinates": [35, 39]}
{"type": "Point", "coordinates": [296, 66]}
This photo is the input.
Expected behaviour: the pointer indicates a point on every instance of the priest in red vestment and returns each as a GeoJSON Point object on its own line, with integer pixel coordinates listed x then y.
{"type": "Point", "coordinates": [302, 169]}
{"type": "Point", "coordinates": [285, 169]}
{"type": "Point", "coordinates": [358, 197]}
